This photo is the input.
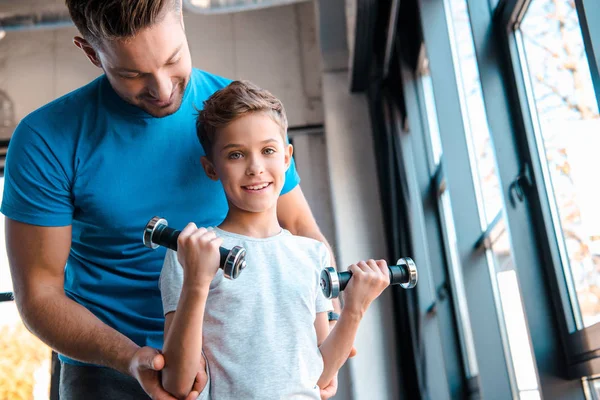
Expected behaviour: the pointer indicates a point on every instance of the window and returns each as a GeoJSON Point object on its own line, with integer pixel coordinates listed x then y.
{"type": "Point", "coordinates": [434, 147]}
{"type": "Point", "coordinates": [494, 239]}
{"type": "Point", "coordinates": [566, 122]}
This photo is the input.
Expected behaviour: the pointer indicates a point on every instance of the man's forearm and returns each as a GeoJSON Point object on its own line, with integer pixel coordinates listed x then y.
{"type": "Point", "coordinates": [72, 330]}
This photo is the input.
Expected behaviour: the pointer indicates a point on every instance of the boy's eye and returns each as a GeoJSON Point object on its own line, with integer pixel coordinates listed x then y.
{"type": "Point", "coordinates": [234, 156]}
{"type": "Point", "coordinates": [130, 76]}
{"type": "Point", "coordinates": [269, 151]}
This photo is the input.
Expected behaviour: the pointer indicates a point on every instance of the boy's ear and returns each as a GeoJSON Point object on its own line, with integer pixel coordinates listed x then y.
{"type": "Point", "coordinates": [89, 51]}
{"type": "Point", "coordinates": [289, 151]}
{"type": "Point", "coordinates": [209, 168]}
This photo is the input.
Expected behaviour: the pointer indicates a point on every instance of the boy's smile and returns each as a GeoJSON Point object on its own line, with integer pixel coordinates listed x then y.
{"type": "Point", "coordinates": [250, 158]}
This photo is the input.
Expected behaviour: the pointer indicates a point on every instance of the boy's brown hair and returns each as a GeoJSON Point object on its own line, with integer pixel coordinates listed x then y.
{"type": "Point", "coordinates": [99, 20]}
{"type": "Point", "coordinates": [237, 99]}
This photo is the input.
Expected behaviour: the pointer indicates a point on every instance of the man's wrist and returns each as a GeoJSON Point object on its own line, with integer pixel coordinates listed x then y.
{"type": "Point", "coordinates": [126, 361]}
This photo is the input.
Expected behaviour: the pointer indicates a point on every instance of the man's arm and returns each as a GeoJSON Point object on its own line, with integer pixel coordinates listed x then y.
{"type": "Point", "coordinates": [37, 257]}
{"type": "Point", "coordinates": [293, 213]}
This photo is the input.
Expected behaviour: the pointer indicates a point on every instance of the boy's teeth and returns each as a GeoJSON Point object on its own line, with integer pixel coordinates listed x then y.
{"type": "Point", "coordinates": [257, 187]}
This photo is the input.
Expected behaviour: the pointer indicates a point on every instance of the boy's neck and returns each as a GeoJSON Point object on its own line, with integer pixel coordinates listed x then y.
{"type": "Point", "coordinates": [253, 224]}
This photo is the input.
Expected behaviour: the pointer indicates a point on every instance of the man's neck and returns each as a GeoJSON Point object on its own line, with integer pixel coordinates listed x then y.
{"type": "Point", "coordinates": [253, 224]}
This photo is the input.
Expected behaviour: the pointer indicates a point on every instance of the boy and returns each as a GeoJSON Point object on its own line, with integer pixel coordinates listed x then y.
{"type": "Point", "coordinates": [268, 329]}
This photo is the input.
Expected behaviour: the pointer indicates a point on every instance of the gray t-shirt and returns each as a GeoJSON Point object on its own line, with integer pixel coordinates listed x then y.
{"type": "Point", "coordinates": [259, 338]}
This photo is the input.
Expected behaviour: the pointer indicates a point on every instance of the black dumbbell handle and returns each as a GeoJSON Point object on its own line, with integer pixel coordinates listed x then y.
{"type": "Point", "coordinates": [398, 274]}
{"type": "Point", "coordinates": [166, 236]}
{"type": "Point", "coordinates": [404, 274]}
{"type": "Point", "coordinates": [157, 233]}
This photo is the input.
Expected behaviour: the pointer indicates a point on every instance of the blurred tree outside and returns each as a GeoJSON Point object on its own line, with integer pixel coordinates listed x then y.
{"type": "Point", "coordinates": [570, 127]}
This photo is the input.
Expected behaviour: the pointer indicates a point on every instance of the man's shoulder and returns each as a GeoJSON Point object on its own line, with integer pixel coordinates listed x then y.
{"type": "Point", "coordinates": [65, 108]}
{"type": "Point", "coordinates": [208, 83]}
{"type": "Point", "coordinates": [312, 246]}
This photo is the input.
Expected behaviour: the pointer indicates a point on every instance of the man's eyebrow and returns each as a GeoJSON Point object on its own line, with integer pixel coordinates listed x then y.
{"type": "Point", "coordinates": [177, 50]}
{"type": "Point", "coordinates": [135, 71]}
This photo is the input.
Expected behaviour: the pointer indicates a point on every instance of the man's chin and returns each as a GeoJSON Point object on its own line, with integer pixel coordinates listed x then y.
{"type": "Point", "coordinates": [160, 112]}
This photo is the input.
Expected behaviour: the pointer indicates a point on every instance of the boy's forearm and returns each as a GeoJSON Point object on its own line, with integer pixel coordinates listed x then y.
{"type": "Point", "coordinates": [336, 348]}
{"type": "Point", "coordinates": [182, 363]}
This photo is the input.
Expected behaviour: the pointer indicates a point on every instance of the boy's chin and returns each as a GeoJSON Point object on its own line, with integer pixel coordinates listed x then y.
{"type": "Point", "coordinates": [256, 208]}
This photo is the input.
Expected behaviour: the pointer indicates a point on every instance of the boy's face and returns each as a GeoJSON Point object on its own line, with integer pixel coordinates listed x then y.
{"type": "Point", "coordinates": [150, 70]}
{"type": "Point", "coordinates": [250, 158]}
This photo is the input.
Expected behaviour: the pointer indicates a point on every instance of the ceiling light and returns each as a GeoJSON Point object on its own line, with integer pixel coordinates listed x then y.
{"type": "Point", "coordinates": [231, 6]}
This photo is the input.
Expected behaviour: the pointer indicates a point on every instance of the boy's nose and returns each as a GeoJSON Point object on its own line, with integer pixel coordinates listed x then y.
{"type": "Point", "coordinates": [254, 168]}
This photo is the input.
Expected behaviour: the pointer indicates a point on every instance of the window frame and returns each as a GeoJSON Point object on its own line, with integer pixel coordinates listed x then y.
{"type": "Point", "coordinates": [581, 348]}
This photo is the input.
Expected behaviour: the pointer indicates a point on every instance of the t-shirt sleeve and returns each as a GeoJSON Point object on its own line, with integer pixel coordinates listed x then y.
{"type": "Point", "coordinates": [37, 185]}
{"type": "Point", "coordinates": [292, 179]}
{"type": "Point", "coordinates": [170, 282]}
{"type": "Point", "coordinates": [323, 304]}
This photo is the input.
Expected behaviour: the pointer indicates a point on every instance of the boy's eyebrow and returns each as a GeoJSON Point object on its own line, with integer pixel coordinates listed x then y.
{"type": "Point", "coordinates": [177, 50]}
{"type": "Point", "coordinates": [237, 145]}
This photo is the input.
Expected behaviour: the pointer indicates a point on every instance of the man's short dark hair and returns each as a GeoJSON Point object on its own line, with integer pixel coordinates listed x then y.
{"type": "Point", "coordinates": [100, 20]}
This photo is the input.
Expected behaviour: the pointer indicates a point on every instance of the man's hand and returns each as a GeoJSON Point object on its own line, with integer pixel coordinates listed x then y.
{"type": "Point", "coordinates": [145, 366]}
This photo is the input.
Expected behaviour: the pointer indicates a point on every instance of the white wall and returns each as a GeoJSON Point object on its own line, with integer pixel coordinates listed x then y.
{"type": "Point", "coordinates": [358, 222]}
{"type": "Point", "coordinates": [276, 48]}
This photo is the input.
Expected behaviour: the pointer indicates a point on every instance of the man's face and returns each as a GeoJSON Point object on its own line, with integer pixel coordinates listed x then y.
{"type": "Point", "coordinates": [250, 158]}
{"type": "Point", "coordinates": [152, 69]}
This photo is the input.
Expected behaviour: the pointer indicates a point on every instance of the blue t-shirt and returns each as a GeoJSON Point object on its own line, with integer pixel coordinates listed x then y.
{"type": "Point", "coordinates": [93, 161]}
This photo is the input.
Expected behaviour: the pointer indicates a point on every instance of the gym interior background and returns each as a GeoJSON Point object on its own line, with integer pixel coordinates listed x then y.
{"type": "Point", "coordinates": [461, 133]}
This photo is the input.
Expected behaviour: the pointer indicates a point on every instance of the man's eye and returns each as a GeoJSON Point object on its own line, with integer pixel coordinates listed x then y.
{"type": "Point", "coordinates": [269, 151]}
{"type": "Point", "coordinates": [235, 156]}
{"type": "Point", "coordinates": [131, 76]}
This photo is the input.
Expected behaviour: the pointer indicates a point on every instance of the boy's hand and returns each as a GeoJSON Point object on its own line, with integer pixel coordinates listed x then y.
{"type": "Point", "coordinates": [330, 390]}
{"type": "Point", "coordinates": [198, 253]}
{"type": "Point", "coordinates": [145, 366]}
{"type": "Point", "coordinates": [369, 279]}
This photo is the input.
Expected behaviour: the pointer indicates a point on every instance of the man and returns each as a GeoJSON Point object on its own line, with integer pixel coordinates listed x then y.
{"type": "Point", "coordinates": [83, 176]}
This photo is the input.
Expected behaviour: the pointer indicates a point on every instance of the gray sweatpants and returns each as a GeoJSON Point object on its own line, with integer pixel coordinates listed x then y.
{"type": "Point", "coordinates": [97, 383]}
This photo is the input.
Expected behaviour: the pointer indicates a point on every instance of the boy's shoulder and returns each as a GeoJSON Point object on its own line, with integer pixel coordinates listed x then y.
{"type": "Point", "coordinates": [305, 243]}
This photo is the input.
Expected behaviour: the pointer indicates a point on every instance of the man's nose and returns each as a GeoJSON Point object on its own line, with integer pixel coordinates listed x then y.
{"type": "Point", "coordinates": [161, 87]}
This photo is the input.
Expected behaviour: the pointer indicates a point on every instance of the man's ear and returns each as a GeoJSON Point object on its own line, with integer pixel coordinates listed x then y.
{"type": "Point", "coordinates": [289, 151]}
{"type": "Point", "coordinates": [209, 168]}
{"type": "Point", "coordinates": [89, 51]}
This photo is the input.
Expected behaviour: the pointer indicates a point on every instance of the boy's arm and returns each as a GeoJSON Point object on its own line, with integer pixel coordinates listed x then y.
{"type": "Point", "coordinates": [185, 283]}
{"type": "Point", "coordinates": [184, 364]}
{"type": "Point", "coordinates": [294, 214]}
{"type": "Point", "coordinates": [368, 280]}
{"type": "Point", "coordinates": [335, 347]}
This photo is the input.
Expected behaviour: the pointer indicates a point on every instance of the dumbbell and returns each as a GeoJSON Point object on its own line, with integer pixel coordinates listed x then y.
{"type": "Point", "coordinates": [157, 233]}
{"type": "Point", "coordinates": [403, 274]}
